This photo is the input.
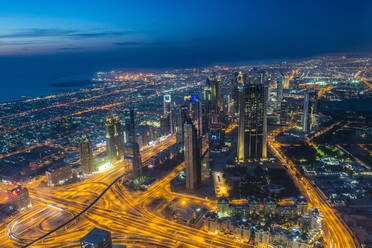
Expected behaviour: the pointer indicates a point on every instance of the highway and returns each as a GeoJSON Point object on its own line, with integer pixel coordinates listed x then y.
{"type": "Point", "coordinates": [118, 210]}
{"type": "Point", "coordinates": [337, 234]}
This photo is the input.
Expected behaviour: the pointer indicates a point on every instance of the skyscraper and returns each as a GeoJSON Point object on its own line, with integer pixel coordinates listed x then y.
{"type": "Point", "coordinates": [133, 156]}
{"type": "Point", "coordinates": [182, 116]}
{"type": "Point", "coordinates": [86, 155]}
{"type": "Point", "coordinates": [165, 127]}
{"type": "Point", "coordinates": [252, 132]}
{"type": "Point", "coordinates": [279, 92]}
{"type": "Point", "coordinates": [114, 138]}
{"type": "Point", "coordinates": [132, 150]}
{"type": "Point", "coordinates": [97, 238]}
{"type": "Point", "coordinates": [129, 126]}
{"type": "Point", "coordinates": [310, 105]}
{"type": "Point", "coordinates": [118, 136]}
{"type": "Point", "coordinates": [192, 157]}
{"type": "Point", "coordinates": [166, 104]}
{"type": "Point", "coordinates": [111, 148]}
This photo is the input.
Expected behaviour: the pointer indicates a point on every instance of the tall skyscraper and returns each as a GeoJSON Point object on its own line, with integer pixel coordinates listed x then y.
{"type": "Point", "coordinates": [310, 105]}
{"type": "Point", "coordinates": [284, 112]}
{"type": "Point", "coordinates": [252, 132]}
{"type": "Point", "coordinates": [97, 238]}
{"type": "Point", "coordinates": [133, 156]}
{"type": "Point", "coordinates": [279, 92]}
{"type": "Point", "coordinates": [129, 126]}
{"type": "Point", "coordinates": [118, 135]}
{"type": "Point", "coordinates": [86, 155]}
{"type": "Point", "coordinates": [215, 100]}
{"type": "Point", "coordinates": [114, 138]}
{"type": "Point", "coordinates": [166, 104]}
{"type": "Point", "coordinates": [182, 116]}
{"type": "Point", "coordinates": [132, 150]}
{"type": "Point", "coordinates": [192, 157]}
{"type": "Point", "coordinates": [111, 149]}
{"type": "Point", "coordinates": [165, 127]}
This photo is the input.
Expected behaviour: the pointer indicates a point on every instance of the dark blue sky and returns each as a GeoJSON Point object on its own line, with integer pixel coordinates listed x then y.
{"type": "Point", "coordinates": [52, 38]}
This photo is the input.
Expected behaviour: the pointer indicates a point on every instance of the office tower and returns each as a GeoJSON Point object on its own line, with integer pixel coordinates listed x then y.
{"type": "Point", "coordinates": [114, 138]}
{"type": "Point", "coordinates": [173, 119]}
{"type": "Point", "coordinates": [284, 112]}
{"type": "Point", "coordinates": [110, 140]}
{"type": "Point", "coordinates": [195, 112]}
{"type": "Point", "coordinates": [252, 132]}
{"type": "Point", "coordinates": [310, 105]}
{"type": "Point", "coordinates": [133, 156]}
{"type": "Point", "coordinates": [166, 104]}
{"type": "Point", "coordinates": [86, 155]}
{"type": "Point", "coordinates": [279, 92]}
{"type": "Point", "coordinates": [192, 157]}
{"type": "Point", "coordinates": [182, 117]}
{"type": "Point", "coordinates": [165, 125]}
{"type": "Point", "coordinates": [129, 126]}
{"type": "Point", "coordinates": [132, 151]}
{"type": "Point", "coordinates": [118, 136]}
{"type": "Point", "coordinates": [213, 84]}
{"type": "Point", "coordinates": [97, 238]}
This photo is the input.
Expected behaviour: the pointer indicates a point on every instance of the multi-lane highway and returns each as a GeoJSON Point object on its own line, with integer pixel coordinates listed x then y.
{"type": "Point", "coordinates": [337, 234]}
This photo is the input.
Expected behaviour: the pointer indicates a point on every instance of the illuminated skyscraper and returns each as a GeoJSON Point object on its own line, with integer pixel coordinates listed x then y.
{"type": "Point", "coordinates": [86, 155]}
{"type": "Point", "coordinates": [310, 105]}
{"type": "Point", "coordinates": [97, 238]}
{"type": "Point", "coordinates": [192, 157]}
{"type": "Point", "coordinates": [111, 149]}
{"type": "Point", "coordinates": [133, 156]}
{"type": "Point", "coordinates": [182, 116]}
{"type": "Point", "coordinates": [132, 150]}
{"type": "Point", "coordinates": [114, 138]}
{"type": "Point", "coordinates": [252, 132]}
{"type": "Point", "coordinates": [129, 128]}
{"type": "Point", "coordinates": [279, 92]}
{"type": "Point", "coordinates": [165, 127]}
{"type": "Point", "coordinates": [167, 104]}
{"type": "Point", "coordinates": [118, 135]}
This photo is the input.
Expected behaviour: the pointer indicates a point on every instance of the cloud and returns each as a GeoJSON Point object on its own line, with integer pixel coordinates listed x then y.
{"type": "Point", "coordinates": [70, 48]}
{"type": "Point", "coordinates": [128, 43]}
{"type": "Point", "coordinates": [38, 32]}
{"type": "Point", "coordinates": [138, 43]}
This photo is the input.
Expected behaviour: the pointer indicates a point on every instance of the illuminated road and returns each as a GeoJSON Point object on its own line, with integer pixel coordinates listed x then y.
{"type": "Point", "coordinates": [338, 235]}
{"type": "Point", "coordinates": [120, 211]}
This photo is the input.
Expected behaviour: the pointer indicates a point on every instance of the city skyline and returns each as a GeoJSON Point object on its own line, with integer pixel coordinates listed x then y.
{"type": "Point", "coordinates": [185, 124]}
{"type": "Point", "coordinates": [42, 36]}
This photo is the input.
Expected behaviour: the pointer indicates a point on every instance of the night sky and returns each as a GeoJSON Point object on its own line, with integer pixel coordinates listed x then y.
{"type": "Point", "coordinates": [46, 39]}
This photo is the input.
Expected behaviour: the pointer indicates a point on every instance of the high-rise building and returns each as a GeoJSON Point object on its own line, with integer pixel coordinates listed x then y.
{"type": "Point", "coordinates": [97, 238]}
{"type": "Point", "coordinates": [86, 155]}
{"type": "Point", "coordinates": [192, 157]}
{"type": "Point", "coordinates": [252, 132]}
{"type": "Point", "coordinates": [129, 126]}
{"type": "Point", "coordinates": [166, 104]}
{"type": "Point", "coordinates": [310, 105]}
{"type": "Point", "coordinates": [279, 92]}
{"type": "Point", "coordinates": [284, 112]}
{"type": "Point", "coordinates": [182, 116]}
{"type": "Point", "coordinates": [110, 142]}
{"type": "Point", "coordinates": [133, 156]}
{"type": "Point", "coordinates": [213, 83]}
{"type": "Point", "coordinates": [165, 127]}
{"type": "Point", "coordinates": [118, 136]}
{"type": "Point", "coordinates": [132, 150]}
